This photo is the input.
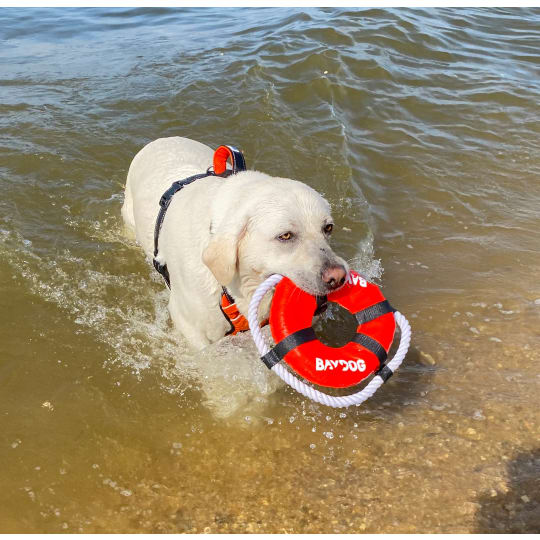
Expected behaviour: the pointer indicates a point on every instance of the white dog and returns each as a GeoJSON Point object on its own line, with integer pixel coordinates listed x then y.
{"type": "Point", "coordinates": [232, 232]}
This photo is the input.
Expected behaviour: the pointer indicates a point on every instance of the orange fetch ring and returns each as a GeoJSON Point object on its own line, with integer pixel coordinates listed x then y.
{"type": "Point", "coordinates": [292, 313]}
{"type": "Point", "coordinates": [291, 316]}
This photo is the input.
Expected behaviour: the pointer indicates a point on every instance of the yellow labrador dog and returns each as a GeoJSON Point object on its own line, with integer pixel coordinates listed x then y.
{"type": "Point", "coordinates": [232, 232]}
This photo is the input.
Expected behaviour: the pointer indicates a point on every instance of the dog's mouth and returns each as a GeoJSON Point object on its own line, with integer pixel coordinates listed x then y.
{"type": "Point", "coordinates": [306, 285]}
{"type": "Point", "coordinates": [323, 290]}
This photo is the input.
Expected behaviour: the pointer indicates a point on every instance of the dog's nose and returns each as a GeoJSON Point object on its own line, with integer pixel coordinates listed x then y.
{"type": "Point", "coordinates": [334, 277]}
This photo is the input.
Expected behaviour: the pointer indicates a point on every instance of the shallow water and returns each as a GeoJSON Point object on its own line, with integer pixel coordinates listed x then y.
{"type": "Point", "coordinates": [421, 127]}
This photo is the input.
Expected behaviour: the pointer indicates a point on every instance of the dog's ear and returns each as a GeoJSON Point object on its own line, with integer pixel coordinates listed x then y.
{"type": "Point", "coordinates": [221, 253]}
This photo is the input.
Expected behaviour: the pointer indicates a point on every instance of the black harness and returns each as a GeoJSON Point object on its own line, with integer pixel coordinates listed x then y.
{"type": "Point", "coordinates": [222, 153]}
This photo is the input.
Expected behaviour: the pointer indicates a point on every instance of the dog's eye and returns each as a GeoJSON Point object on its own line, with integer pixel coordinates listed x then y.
{"type": "Point", "coordinates": [328, 228]}
{"type": "Point", "coordinates": [285, 236]}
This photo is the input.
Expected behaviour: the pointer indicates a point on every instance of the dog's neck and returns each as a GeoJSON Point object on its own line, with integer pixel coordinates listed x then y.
{"type": "Point", "coordinates": [242, 289]}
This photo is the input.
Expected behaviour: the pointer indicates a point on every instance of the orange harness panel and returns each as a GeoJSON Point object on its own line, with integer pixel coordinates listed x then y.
{"type": "Point", "coordinates": [237, 321]}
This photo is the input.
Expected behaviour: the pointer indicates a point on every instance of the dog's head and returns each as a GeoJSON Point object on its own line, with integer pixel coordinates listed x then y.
{"type": "Point", "coordinates": [263, 225]}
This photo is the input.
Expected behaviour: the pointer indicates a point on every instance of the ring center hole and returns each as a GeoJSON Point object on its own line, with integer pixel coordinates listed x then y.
{"type": "Point", "coordinates": [335, 327]}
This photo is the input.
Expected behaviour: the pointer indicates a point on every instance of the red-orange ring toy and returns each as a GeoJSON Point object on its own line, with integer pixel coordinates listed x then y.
{"type": "Point", "coordinates": [291, 316]}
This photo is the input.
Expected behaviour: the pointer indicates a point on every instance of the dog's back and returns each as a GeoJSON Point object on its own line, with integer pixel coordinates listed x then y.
{"type": "Point", "coordinates": [151, 172]}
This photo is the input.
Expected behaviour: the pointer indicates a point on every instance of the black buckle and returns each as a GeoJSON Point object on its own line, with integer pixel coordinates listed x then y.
{"type": "Point", "coordinates": [166, 197]}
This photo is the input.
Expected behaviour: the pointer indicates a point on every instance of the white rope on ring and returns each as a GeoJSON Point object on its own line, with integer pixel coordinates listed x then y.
{"type": "Point", "coordinates": [299, 385]}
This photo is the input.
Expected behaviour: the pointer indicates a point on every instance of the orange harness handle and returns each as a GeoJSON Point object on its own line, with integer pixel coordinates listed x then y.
{"type": "Point", "coordinates": [225, 152]}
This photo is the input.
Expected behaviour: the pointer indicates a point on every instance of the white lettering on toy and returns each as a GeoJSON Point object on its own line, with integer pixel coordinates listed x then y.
{"type": "Point", "coordinates": [356, 280]}
{"type": "Point", "coordinates": [345, 365]}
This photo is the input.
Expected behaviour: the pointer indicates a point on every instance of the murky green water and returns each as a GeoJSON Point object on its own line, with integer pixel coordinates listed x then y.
{"type": "Point", "coordinates": [421, 127]}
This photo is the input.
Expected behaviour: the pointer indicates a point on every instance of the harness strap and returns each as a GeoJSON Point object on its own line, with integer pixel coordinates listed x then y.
{"type": "Point", "coordinates": [373, 312]}
{"type": "Point", "coordinates": [164, 203]}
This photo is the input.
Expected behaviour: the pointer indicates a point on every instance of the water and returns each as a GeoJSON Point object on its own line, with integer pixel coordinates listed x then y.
{"type": "Point", "coordinates": [421, 127]}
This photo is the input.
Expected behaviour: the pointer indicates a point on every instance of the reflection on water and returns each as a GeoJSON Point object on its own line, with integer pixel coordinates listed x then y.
{"type": "Point", "coordinates": [421, 129]}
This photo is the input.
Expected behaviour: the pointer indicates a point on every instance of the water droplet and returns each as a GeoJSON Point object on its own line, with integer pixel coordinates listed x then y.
{"type": "Point", "coordinates": [478, 415]}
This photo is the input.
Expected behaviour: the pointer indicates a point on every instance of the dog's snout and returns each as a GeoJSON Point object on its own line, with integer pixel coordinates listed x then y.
{"type": "Point", "coordinates": [334, 277]}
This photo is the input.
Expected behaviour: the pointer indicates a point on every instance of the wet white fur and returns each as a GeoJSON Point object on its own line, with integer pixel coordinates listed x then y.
{"type": "Point", "coordinates": [223, 232]}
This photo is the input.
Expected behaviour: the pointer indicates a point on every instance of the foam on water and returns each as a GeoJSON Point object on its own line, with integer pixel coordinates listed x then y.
{"type": "Point", "coordinates": [136, 334]}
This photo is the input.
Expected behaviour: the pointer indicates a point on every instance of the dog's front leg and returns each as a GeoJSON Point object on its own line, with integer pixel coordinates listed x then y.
{"type": "Point", "coordinates": [194, 333]}
{"type": "Point", "coordinates": [198, 325]}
